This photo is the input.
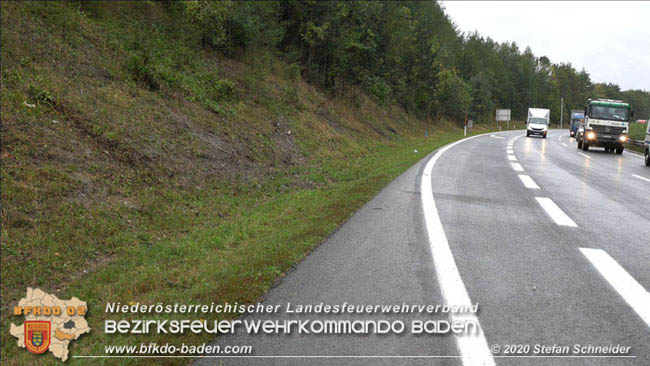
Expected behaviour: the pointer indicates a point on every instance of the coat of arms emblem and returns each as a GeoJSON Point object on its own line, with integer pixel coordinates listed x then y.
{"type": "Point", "coordinates": [37, 335]}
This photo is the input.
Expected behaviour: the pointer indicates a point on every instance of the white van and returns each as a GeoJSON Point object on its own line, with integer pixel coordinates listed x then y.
{"type": "Point", "coordinates": [538, 121]}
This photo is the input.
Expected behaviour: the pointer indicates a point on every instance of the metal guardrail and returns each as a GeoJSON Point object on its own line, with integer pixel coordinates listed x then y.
{"type": "Point", "coordinates": [637, 142]}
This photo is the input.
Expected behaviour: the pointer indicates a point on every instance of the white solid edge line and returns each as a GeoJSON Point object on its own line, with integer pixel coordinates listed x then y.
{"type": "Point", "coordinates": [512, 158]}
{"type": "Point", "coordinates": [629, 289]}
{"type": "Point", "coordinates": [555, 212]}
{"type": "Point", "coordinates": [635, 154]}
{"type": "Point", "coordinates": [473, 348]}
{"type": "Point", "coordinates": [585, 155]}
{"type": "Point", "coordinates": [517, 167]}
{"type": "Point", "coordinates": [528, 181]}
{"type": "Point", "coordinates": [640, 177]}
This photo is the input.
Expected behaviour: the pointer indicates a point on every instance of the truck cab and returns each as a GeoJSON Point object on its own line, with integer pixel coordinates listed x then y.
{"type": "Point", "coordinates": [538, 121]}
{"type": "Point", "coordinates": [577, 117]}
{"type": "Point", "coordinates": [605, 125]}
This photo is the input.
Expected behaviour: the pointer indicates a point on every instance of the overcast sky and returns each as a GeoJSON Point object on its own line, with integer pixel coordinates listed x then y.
{"type": "Point", "coordinates": [609, 39]}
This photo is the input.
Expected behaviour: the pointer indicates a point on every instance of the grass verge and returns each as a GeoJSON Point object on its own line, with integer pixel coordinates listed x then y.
{"type": "Point", "coordinates": [232, 257]}
{"type": "Point", "coordinates": [637, 132]}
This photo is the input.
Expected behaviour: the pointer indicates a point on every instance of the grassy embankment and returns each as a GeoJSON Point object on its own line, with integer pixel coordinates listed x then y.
{"type": "Point", "coordinates": [637, 132]}
{"type": "Point", "coordinates": [138, 167]}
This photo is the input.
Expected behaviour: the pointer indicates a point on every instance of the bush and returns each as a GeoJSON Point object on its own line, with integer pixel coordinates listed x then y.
{"type": "Point", "coordinates": [142, 70]}
{"type": "Point", "coordinates": [379, 88]}
{"type": "Point", "coordinates": [224, 90]}
{"type": "Point", "coordinates": [40, 96]}
{"type": "Point", "coordinates": [211, 18]}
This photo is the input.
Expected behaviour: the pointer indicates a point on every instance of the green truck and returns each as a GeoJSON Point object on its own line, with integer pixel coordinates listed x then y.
{"type": "Point", "coordinates": [605, 124]}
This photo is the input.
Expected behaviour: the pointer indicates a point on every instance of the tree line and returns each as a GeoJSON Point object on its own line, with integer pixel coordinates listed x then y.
{"type": "Point", "coordinates": [409, 52]}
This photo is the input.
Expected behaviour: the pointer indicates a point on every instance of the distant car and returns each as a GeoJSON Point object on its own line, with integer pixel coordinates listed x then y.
{"type": "Point", "coordinates": [641, 121]}
{"type": "Point", "coordinates": [646, 146]}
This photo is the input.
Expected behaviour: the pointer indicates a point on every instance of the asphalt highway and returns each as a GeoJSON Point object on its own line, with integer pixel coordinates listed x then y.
{"type": "Point", "coordinates": [553, 243]}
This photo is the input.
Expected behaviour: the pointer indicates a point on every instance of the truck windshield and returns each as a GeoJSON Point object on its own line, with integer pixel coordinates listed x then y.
{"type": "Point", "coordinates": [611, 113]}
{"type": "Point", "coordinates": [540, 121]}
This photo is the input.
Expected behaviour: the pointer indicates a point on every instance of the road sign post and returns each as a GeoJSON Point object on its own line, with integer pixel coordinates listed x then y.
{"type": "Point", "coordinates": [503, 115]}
{"type": "Point", "coordinates": [465, 127]}
{"type": "Point", "coordinates": [561, 111]}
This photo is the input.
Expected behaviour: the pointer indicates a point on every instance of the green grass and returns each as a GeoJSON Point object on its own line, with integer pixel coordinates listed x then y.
{"type": "Point", "coordinates": [151, 170]}
{"type": "Point", "coordinates": [637, 131]}
{"type": "Point", "coordinates": [234, 258]}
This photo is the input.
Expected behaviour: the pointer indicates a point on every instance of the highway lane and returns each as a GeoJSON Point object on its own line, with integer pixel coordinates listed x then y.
{"type": "Point", "coordinates": [533, 283]}
{"type": "Point", "coordinates": [521, 217]}
{"type": "Point", "coordinates": [614, 176]}
{"type": "Point", "coordinates": [607, 198]}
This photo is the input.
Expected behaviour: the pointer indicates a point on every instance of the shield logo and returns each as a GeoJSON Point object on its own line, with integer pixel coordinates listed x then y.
{"type": "Point", "coordinates": [37, 335]}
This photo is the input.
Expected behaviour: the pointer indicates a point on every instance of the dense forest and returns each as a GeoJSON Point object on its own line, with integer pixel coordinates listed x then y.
{"type": "Point", "coordinates": [409, 52]}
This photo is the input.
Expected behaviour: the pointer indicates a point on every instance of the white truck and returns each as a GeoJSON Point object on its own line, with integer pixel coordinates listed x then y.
{"type": "Point", "coordinates": [538, 121]}
{"type": "Point", "coordinates": [605, 125]}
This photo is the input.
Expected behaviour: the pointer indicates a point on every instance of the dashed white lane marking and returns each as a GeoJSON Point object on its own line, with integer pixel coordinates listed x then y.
{"type": "Point", "coordinates": [640, 177]}
{"type": "Point", "coordinates": [528, 181]}
{"type": "Point", "coordinates": [626, 286]}
{"type": "Point", "coordinates": [473, 348]}
{"type": "Point", "coordinates": [509, 151]}
{"type": "Point", "coordinates": [517, 167]}
{"type": "Point", "coordinates": [585, 155]}
{"type": "Point", "coordinates": [555, 212]}
{"type": "Point", "coordinates": [565, 145]}
{"type": "Point", "coordinates": [512, 158]}
{"type": "Point", "coordinates": [496, 137]}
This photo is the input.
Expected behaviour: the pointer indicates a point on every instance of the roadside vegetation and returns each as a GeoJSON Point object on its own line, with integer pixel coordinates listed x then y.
{"type": "Point", "coordinates": [637, 132]}
{"type": "Point", "coordinates": [151, 150]}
